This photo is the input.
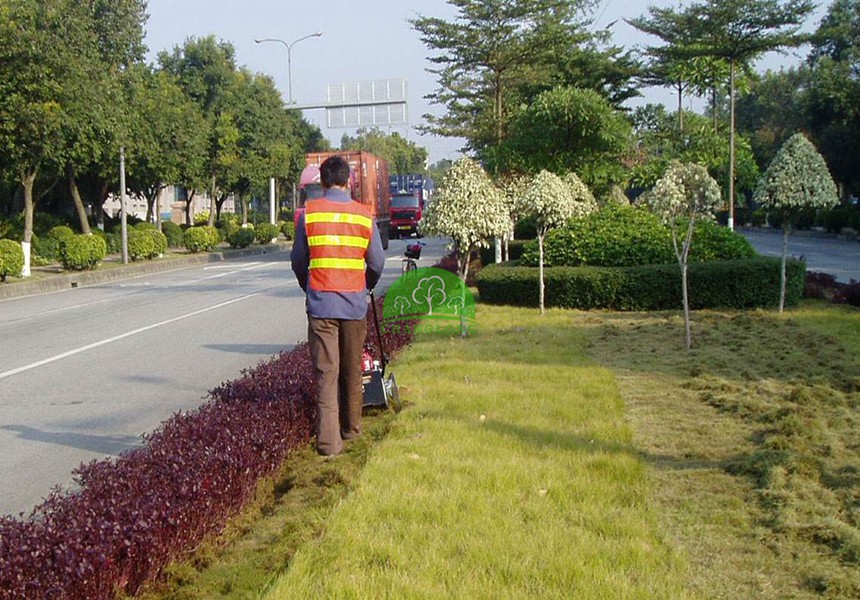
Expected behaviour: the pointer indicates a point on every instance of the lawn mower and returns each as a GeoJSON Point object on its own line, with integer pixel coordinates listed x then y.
{"type": "Point", "coordinates": [378, 391]}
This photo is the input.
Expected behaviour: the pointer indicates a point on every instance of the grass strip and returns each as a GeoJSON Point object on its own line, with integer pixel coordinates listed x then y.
{"type": "Point", "coordinates": [511, 474]}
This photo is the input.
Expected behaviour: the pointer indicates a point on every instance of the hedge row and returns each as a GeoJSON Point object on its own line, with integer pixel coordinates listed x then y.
{"type": "Point", "coordinates": [133, 515]}
{"type": "Point", "coordinates": [515, 251]}
{"type": "Point", "coordinates": [724, 284]}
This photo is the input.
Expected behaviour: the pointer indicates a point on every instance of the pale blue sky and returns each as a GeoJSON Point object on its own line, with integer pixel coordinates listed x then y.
{"type": "Point", "coordinates": [361, 41]}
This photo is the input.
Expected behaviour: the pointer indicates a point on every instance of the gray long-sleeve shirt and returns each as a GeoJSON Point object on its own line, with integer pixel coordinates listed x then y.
{"type": "Point", "coordinates": [350, 306]}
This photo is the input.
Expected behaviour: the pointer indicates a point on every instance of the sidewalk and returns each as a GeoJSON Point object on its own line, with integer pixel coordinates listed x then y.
{"type": "Point", "coordinates": [52, 278]}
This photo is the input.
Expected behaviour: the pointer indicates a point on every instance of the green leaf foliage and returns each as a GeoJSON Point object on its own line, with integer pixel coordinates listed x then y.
{"type": "Point", "coordinates": [11, 259]}
{"type": "Point", "coordinates": [201, 238]}
{"type": "Point", "coordinates": [747, 283]}
{"type": "Point", "coordinates": [796, 179]}
{"type": "Point", "coordinates": [241, 238]}
{"type": "Point", "coordinates": [266, 232]}
{"type": "Point", "coordinates": [83, 252]}
{"type": "Point", "coordinates": [466, 207]}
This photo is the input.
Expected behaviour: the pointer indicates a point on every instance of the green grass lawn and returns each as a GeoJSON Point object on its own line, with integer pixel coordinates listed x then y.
{"type": "Point", "coordinates": [511, 474]}
{"type": "Point", "coordinates": [580, 455]}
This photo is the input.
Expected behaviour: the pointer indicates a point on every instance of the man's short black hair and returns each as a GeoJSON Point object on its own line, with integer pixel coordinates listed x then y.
{"type": "Point", "coordinates": [334, 171]}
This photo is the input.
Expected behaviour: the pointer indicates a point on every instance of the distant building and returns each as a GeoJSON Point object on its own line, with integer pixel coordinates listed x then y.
{"type": "Point", "coordinates": [171, 205]}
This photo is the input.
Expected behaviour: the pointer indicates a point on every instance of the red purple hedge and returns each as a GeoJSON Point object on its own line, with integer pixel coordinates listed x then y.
{"type": "Point", "coordinates": [133, 515]}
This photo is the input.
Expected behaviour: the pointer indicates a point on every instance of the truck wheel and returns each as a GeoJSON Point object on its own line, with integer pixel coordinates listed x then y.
{"type": "Point", "coordinates": [383, 233]}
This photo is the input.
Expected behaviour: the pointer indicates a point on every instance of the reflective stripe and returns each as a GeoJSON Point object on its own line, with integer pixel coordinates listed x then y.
{"type": "Point", "coordinates": [338, 240]}
{"type": "Point", "coordinates": [330, 217]}
{"type": "Point", "coordinates": [352, 264]}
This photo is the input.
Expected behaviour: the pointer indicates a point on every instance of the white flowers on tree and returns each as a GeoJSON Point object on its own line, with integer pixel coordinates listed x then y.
{"type": "Point", "coordinates": [552, 202]}
{"type": "Point", "coordinates": [685, 192]}
{"type": "Point", "coordinates": [468, 208]}
{"type": "Point", "coordinates": [797, 178]}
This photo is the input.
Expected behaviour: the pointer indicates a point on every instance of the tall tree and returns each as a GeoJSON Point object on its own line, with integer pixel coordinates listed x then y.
{"type": "Point", "coordinates": [833, 99]}
{"type": "Point", "coordinates": [167, 134]}
{"type": "Point", "coordinates": [489, 49]}
{"type": "Point", "coordinates": [568, 129]}
{"type": "Point", "coordinates": [206, 70]}
{"type": "Point", "coordinates": [796, 179]}
{"type": "Point", "coordinates": [736, 30]}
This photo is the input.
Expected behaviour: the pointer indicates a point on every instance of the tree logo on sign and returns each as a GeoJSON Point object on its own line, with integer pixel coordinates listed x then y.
{"type": "Point", "coordinates": [437, 299]}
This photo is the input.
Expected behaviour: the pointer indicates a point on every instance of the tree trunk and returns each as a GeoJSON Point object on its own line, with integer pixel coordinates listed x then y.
{"type": "Point", "coordinates": [464, 265]}
{"type": "Point", "coordinates": [212, 202]}
{"type": "Point", "coordinates": [244, 202]}
{"type": "Point", "coordinates": [732, 145]}
{"type": "Point", "coordinates": [785, 231]}
{"type": "Point", "coordinates": [27, 181]}
{"type": "Point", "coordinates": [680, 109]}
{"type": "Point", "coordinates": [688, 336]}
{"type": "Point", "coordinates": [540, 264]}
{"type": "Point", "coordinates": [78, 201]}
{"type": "Point", "coordinates": [189, 205]}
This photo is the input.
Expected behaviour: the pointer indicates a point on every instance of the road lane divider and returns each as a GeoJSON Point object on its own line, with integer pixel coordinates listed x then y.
{"type": "Point", "coordinates": [122, 336]}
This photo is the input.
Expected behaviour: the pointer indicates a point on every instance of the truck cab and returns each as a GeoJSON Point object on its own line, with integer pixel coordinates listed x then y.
{"type": "Point", "coordinates": [406, 211]}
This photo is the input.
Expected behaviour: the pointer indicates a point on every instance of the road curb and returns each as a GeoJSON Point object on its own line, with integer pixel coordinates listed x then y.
{"type": "Point", "coordinates": [65, 281]}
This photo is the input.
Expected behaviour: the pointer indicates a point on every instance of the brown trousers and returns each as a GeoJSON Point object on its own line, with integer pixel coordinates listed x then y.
{"type": "Point", "coordinates": [336, 346]}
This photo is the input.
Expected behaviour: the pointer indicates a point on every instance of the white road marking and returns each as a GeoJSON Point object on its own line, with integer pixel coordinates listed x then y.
{"type": "Point", "coordinates": [116, 338]}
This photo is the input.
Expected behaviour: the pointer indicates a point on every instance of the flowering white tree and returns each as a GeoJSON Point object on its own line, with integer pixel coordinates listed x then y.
{"type": "Point", "coordinates": [685, 192]}
{"type": "Point", "coordinates": [468, 208]}
{"type": "Point", "coordinates": [797, 178]}
{"type": "Point", "coordinates": [512, 188]}
{"type": "Point", "coordinates": [552, 201]}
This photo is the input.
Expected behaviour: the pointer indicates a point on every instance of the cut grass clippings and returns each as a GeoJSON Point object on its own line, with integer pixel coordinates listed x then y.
{"type": "Point", "coordinates": [511, 475]}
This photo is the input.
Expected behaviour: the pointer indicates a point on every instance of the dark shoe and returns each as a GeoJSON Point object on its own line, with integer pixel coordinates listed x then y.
{"type": "Point", "coordinates": [349, 435]}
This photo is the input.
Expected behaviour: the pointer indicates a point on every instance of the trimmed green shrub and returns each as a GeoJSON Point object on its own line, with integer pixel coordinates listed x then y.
{"type": "Point", "coordinates": [615, 236]}
{"type": "Point", "coordinates": [140, 244]}
{"type": "Point", "coordinates": [714, 242]}
{"type": "Point", "coordinates": [266, 232]}
{"type": "Point", "coordinates": [202, 238]}
{"type": "Point", "coordinates": [288, 229]}
{"type": "Point", "coordinates": [159, 240]}
{"type": "Point", "coordinates": [11, 259]}
{"type": "Point", "coordinates": [61, 233]}
{"type": "Point", "coordinates": [227, 225]}
{"type": "Point", "coordinates": [43, 251]}
{"type": "Point", "coordinates": [83, 252]}
{"type": "Point", "coordinates": [241, 238]}
{"type": "Point", "coordinates": [759, 217]}
{"type": "Point", "coordinates": [145, 226]}
{"type": "Point", "coordinates": [173, 232]}
{"type": "Point", "coordinates": [716, 284]}
{"type": "Point", "coordinates": [836, 218]}
{"type": "Point", "coordinates": [525, 229]}
{"type": "Point", "coordinates": [515, 251]}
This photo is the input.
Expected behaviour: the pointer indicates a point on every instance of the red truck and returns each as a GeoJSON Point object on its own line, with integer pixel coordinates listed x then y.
{"type": "Point", "coordinates": [369, 184]}
{"type": "Point", "coordinates": [409, 194]}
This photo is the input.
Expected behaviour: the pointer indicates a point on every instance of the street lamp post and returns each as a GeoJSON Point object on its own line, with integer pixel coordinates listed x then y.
{"type": "Point", "coordinates": [289, 48]}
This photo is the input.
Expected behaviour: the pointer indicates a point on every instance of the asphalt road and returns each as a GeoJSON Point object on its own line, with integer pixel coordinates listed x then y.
{"type": "Point", "coordinates": [85, 372]}
{"type": "Point", "coordinates": [838, 257]}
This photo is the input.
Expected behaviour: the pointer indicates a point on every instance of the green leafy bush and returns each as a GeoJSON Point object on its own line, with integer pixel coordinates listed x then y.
{"type": "Point", "coordinates": [759, 217]}
{"type": "Point", "coordinates": [145, 226]}
{"type": "Point", "coordinates": [140, 244]}
{"type": "Point", "coordinates": [83, 252]}
{"type": "Point", "coordinates": [716, 284]}
{"type": "Point", "coordinates": [241, 238]}
{"type": "Point", "coordinates": [266, 232]}
{"type": "Point", "coordinates": [836, 218]}
{"type": "Point", "coordinates": [202, 238]}
{"type": "Point", "coordinates": [159, 240]}
{"type": "Point", "coordinates": [615, 236]}
{"type": "Point", "coordinates": [61, 233]}
{"type": "Point", "coordinates": [288, 229]}
{"type": "Point", "coordinates": [714, 242]}
{"type": "Point", "coordinates": [173, 233]}
{"type": "Point", "coordinates": [11, 259]}
{"type": "Point", "coordinates": [227, 225]}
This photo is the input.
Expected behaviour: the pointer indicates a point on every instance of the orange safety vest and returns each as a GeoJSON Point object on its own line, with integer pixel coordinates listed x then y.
{"type": "Point", "coordinates": [338, 236]}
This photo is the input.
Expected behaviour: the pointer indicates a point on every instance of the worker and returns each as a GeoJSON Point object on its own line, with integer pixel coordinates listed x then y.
{"type": "Point", "coordinates": [337, 257]}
